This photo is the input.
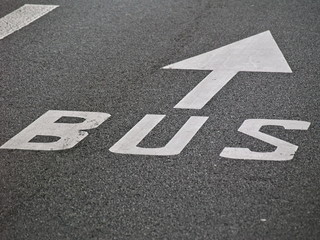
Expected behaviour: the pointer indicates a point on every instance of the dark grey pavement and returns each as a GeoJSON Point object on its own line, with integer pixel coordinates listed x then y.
{"type": "Point", "coordinates": [106, 56]}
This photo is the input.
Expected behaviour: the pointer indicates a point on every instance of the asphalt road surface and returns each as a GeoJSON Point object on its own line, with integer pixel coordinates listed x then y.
{"type": "Point", "coordinates": [107, 56]}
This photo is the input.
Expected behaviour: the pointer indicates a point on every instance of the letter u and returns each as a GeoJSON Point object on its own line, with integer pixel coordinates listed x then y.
{"type": "Point", "coordinates": [128, 143]}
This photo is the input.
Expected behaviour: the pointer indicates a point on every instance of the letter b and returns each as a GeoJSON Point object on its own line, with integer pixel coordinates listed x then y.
{"type": "Point", "coordinates": [69, 134]}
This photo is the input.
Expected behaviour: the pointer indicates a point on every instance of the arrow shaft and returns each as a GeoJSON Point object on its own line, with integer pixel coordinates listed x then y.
{"type": "Point", "coordinates": [206, 89]}
{"type": "Point", "coordinates": [22, 17]}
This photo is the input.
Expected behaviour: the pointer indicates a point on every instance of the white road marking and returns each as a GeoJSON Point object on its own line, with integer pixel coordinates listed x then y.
{"type": "Point", "coordinates": [69, 133]}
{"type": "Point", "coordinates": [22, 17]}
{"type": "Point", "coordinates": [285, 151]}
{"type": "Point", "coordinates": [128, 143]}
{"type": "Point", "coordinates": [258, 53]}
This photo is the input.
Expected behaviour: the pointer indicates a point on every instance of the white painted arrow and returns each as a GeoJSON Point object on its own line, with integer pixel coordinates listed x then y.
{"type": "Point", "coordinates": [258, 53]}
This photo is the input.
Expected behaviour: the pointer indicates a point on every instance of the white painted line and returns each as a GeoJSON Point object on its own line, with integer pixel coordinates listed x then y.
{"type": "Point", "coordinates": [258, 53]}
{"type": "Point", "coordinates": [22, 17]}
{"type": "Point", "coordinates": [206, 89]}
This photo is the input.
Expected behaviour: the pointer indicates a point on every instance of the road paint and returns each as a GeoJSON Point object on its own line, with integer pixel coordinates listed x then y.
{"type": "Point", "coordinates": [22, 17]}
{"type": "Point", "coordinates": [128, 143]}
{"type": "Point", "coordinates": [285, 151]}
{"type": "Point", "coordinates": [258, 53]}
{"type": "Point", "coordinates": [69, 134]}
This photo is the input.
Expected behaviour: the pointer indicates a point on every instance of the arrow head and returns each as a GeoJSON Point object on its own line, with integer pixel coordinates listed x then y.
{"type": "Point", "coordinates": [258, 53]}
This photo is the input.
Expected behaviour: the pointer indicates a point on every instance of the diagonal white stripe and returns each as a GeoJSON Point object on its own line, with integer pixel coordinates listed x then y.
{"type": "Point", "coordinates": [22, 17]}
